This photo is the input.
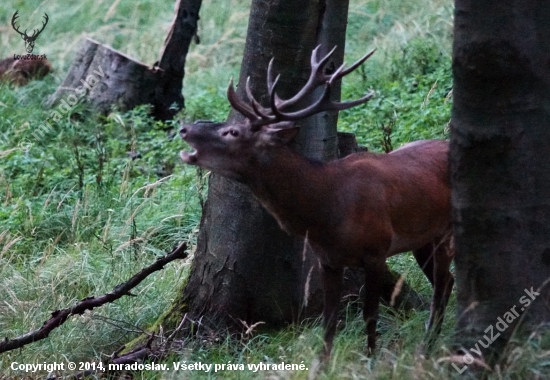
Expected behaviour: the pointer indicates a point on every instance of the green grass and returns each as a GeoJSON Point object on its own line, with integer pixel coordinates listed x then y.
{"type": "Point", "coordinates": [77, 216]}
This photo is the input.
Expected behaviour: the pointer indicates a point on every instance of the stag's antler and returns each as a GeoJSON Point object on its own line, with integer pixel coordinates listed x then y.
{"type": "Point", "coordinates": [13, 19]}
{"type": "Point", "coordinates": [37, 32]}
{"type": "Point", "coordinates": [260, 116]}
{"type": "Point", "coordinates": [29, 40]}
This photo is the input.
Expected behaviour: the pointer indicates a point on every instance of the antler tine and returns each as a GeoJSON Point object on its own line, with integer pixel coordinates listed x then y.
{"type": "Point", "coordinates": [256, 106]}
{"type": "Point", "coordinates": [308, 111]}
{"type": "Point", "coordinates": [13, 20]}
{"type": "Point", "coordinates": [37, 32]}
{"type": "Point", "coordinates": [337, 74]}
{"type": "Point", "coordinates": [278, 115]}
{"type": "Point", "coordinates": [340, 106]}
{"type": "Point", "coordinates": [320, 63]}
{"type": "Point", "coordinates": [45, 23]}
{"type": "Point", "coordinates": [272, 96]}
{"type": "Point", "coordinates": [355, 65]}
{"type": "Point", "coordinates": [270, 74]}
{"type": "Point", "coordinates": [316, 78]}
{"type": "Point", "coordinates": [257, 115]}
{"type": "Point", "coordinates": [239, 104]}
{"type": "Point", "coordinates": [322, 104]}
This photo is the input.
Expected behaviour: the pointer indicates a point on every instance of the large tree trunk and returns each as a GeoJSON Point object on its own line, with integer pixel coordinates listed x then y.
{"type": "Point", "coordinates": [500, 143]}
{"type": "Point", "coordinates": [245, 267]}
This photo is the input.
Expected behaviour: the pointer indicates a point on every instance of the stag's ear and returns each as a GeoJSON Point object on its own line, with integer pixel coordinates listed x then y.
{"type": "Point", "coordinates": [283, 132]}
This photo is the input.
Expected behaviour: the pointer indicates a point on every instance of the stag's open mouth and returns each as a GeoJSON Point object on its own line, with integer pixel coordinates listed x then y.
{"type": "Point", "coordinates": [189, 157]}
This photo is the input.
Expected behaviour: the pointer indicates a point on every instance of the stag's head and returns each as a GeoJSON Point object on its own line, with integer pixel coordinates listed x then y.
{"type": "Point", "coordinates": [230, 148]}
{"type": "Point", "coordinates": [29, 40]}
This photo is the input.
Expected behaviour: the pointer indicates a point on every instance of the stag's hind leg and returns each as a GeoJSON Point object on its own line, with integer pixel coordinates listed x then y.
{"type": "Point", "coordinates": [435, 261]}
{"type": "Point", "coordinates": [332, 285]}
{"type": "Point", "coordinates": [374, 275]}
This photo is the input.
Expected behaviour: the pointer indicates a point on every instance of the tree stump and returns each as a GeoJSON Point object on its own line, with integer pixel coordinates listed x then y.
{"type": "Point", "coordinates": [123, 82]}
{"type": "Point", "coordinates": [105, 78]}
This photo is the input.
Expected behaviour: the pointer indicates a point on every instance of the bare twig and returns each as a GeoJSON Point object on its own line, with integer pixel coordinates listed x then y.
{"type": "Point", "coordinates": [250, 328]}
{"type": "Point", "coordinates": [60, 316]}
{"type": "Point", "coordinates": [119, 324]}
{"type": "Point", "coordinates": [177, 330]}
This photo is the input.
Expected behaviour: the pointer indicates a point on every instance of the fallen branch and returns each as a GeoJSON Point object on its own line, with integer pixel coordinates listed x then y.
{"type": "Point", "coordinates": [137, 354]}
{"type": "Point", "coordinates": [60, 316]}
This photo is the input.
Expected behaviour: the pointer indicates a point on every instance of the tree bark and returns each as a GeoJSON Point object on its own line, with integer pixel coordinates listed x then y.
{"type": "Point", "coordinates": [500, 142]}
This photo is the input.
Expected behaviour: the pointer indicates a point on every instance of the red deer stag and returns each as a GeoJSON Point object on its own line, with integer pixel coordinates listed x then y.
{"type": "Point", "coordinates": [356, 211]}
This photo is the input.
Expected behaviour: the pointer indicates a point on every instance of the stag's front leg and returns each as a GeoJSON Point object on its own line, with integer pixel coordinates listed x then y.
{"type": "Point", "coordinates": [332, 285]}
{"type": "Point", "coordinates": [443, 285]}
{"type": "Point", "coordinates": [374, 273]}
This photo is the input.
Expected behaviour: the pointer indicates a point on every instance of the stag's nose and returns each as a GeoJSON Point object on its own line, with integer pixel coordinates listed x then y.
{"type": "Point", "coordinates": [183, 131]}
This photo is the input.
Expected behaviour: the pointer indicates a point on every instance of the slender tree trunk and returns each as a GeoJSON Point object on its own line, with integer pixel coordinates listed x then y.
{"type": "Point", "coordinates": [173, 56]}
{"type": "Point", "coordinates": [500, 143]}
{"type": "Point", "coordinates": [319, 141]}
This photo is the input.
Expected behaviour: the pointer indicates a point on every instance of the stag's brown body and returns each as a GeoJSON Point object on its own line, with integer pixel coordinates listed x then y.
{"type": "Point", "coordinates": [378, 203]}
{"type": "Point", "coordinates": [355, 212]}
{"type": "Point", "coordinates": [20, 72]}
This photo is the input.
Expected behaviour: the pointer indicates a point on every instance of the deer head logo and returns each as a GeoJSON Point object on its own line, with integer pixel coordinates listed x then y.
{"type": "Point", "coordinates": [29, 40]}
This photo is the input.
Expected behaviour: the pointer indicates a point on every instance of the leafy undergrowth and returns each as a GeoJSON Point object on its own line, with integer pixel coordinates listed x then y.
{"type": "Point", "coordinates": [80, 216]}
{"type": "Point", "coordinates": [84, 207]}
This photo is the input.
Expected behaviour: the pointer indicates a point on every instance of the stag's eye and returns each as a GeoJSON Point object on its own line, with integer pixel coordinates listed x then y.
{"type": "Point", "coordinates": [232, 132]}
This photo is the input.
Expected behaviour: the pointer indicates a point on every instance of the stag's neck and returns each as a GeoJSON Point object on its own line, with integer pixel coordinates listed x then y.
{"type": "Point", "coordinates": [294, 189]}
